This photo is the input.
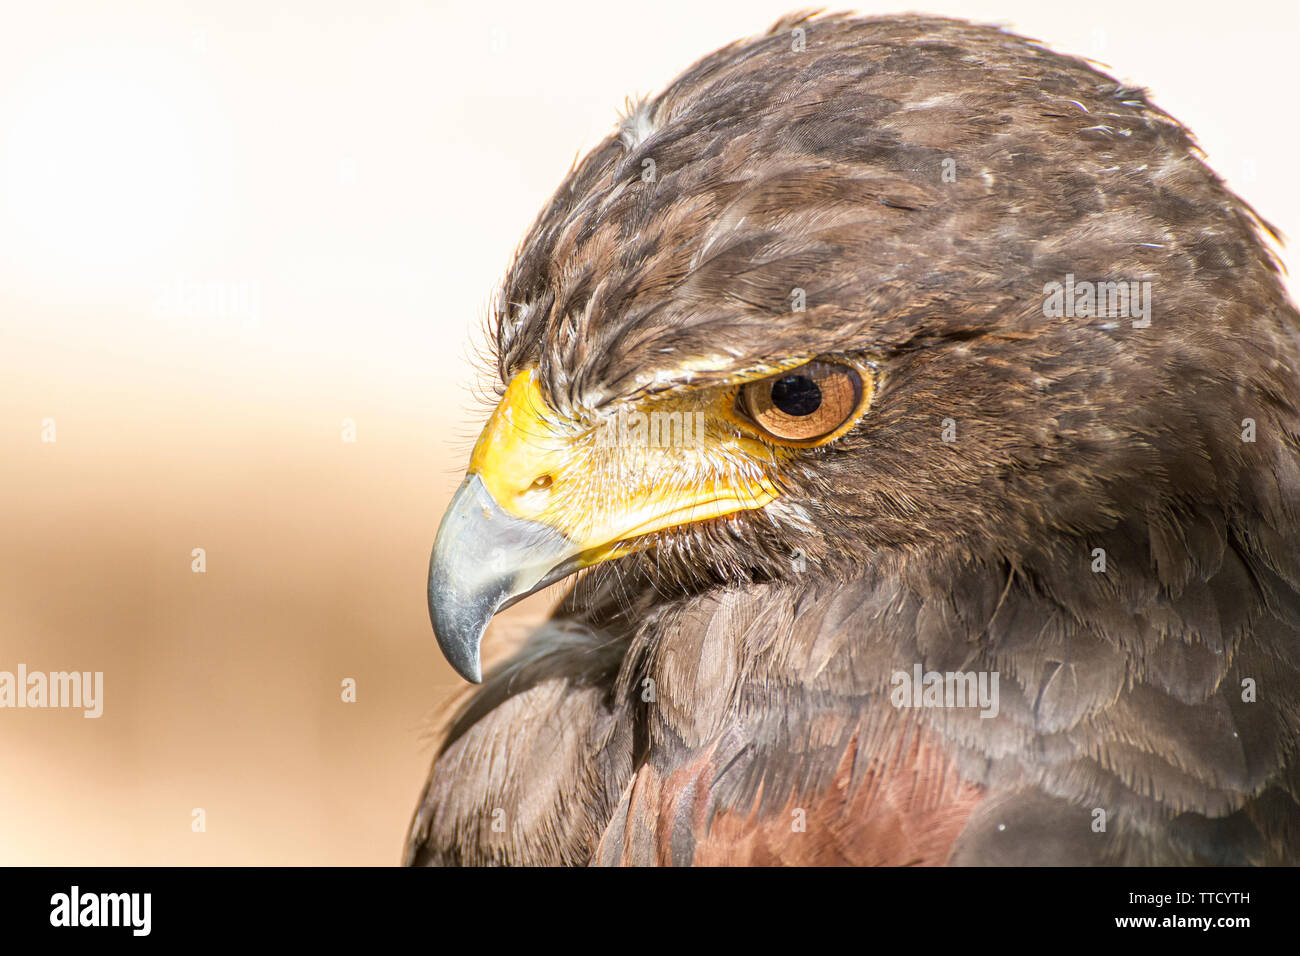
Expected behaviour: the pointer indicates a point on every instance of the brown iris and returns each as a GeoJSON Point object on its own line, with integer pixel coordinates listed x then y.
{"type": "Point", "coordinates": [805, 403]}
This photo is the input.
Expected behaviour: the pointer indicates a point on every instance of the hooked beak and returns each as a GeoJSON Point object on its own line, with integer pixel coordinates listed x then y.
{"type": "Point", "coordinates": [483, 561]}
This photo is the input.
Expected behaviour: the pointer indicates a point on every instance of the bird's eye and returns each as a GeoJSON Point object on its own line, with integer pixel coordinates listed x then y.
{"type": "Point", "coordinates": [804, 404]}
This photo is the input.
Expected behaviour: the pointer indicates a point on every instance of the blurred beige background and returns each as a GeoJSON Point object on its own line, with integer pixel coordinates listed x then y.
{"type": "Point", "coordinates": [225, 228]}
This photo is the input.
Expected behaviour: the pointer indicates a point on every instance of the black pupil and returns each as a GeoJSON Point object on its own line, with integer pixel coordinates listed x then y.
{"type": "Point", "coordinates": [796, 395]}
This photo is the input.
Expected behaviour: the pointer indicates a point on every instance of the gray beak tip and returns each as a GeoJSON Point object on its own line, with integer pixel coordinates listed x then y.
{"type": "Point", "coordinates": [468, 665]}
{"type": "Point", "coordinates": [484, 560]}
{"type": "Point", "coordinates": [458, 623]}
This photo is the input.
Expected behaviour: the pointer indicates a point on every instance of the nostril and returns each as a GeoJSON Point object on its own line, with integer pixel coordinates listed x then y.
{"type": "Point", "coordinates": [541, 483]}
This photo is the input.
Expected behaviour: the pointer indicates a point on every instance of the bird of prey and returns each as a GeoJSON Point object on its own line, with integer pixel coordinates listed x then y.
{"type": "Point", "coordinates": [921, 413]}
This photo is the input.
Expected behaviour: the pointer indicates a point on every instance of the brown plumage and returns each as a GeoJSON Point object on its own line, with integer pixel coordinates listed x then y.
{"type": "Point", "coordinates": [923, 181]}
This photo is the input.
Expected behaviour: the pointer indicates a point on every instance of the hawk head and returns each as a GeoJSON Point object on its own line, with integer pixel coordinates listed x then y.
{"type": "Point", "coordinates": [868, 292]}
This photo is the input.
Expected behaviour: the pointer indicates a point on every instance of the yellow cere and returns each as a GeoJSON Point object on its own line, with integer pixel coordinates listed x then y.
{"type": "Point", "coordinates": [657, 464]}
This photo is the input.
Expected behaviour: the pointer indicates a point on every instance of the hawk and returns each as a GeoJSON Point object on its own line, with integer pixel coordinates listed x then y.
{"type": "Point", "coordinates": [921, 413]}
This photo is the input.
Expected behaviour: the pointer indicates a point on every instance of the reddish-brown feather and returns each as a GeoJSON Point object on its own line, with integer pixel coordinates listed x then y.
{"type": "Point", "coordinates": [907, 809]}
